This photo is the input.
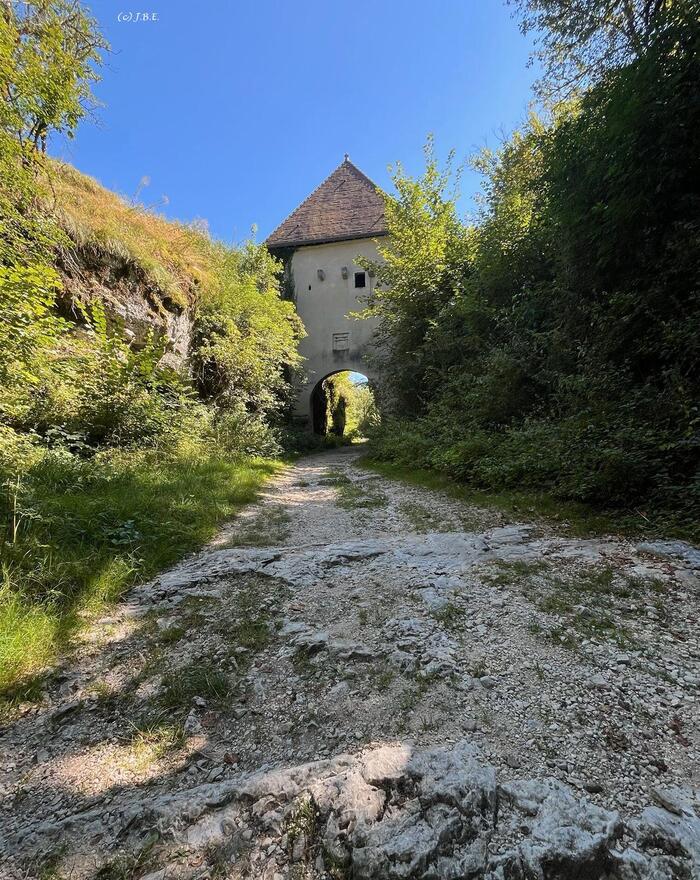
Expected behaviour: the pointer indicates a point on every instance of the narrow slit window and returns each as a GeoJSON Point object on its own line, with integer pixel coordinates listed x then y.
{"type": "Point", "coordinates": [360, 279]}
{"type": "Point", "coordinates": [341, 341]}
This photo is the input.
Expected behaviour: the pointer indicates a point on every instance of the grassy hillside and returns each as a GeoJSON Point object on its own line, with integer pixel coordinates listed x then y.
{"type": "Point", "coordinates": [114, 464]}
{"type": "Point", "coordinates": [99, 527]}
{"type": "Point", "coordinates": [144, 367]}
{"type": "Point", "coordinates": [175, 258]}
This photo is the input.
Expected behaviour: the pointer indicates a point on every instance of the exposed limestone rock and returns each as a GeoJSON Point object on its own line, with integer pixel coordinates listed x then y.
{"type": "Point", "coordinates": [299, 710]}
{"type": "Point", "coordinates": [673, 550]}
{"type": "Point", "coordinates": [130, 300]}
{"type": "Point", "coordinates": [567, 837]}
{"type": "Point", "coordinates": [396, 813]}
{"type": "Point", "coordinates": [675, 835]}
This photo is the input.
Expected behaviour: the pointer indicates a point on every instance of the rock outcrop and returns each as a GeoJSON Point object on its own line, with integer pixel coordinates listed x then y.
{"type": "Point", "coordinates": [357, 699]}
{"type": "Point", "coordinates": [130, 300]}
{"type": "Point", "coordinates": [396, 813]}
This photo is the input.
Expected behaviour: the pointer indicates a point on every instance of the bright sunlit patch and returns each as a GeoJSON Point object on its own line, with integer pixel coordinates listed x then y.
{"type": "Point", "coordinates": [343, 406]}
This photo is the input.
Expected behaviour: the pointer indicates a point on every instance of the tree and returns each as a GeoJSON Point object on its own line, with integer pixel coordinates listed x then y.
{"type": "Point", "coordinates": [245, 337]}
{"type": "Point", "coordinates": [49, 54]}
{"type": "Point", "coordinates": [578, 40]}
{"type": "Point", "coordinates": [49, 50]}
{"type": "Point", "coordinates": [423, 264]}
{"type": "Point", "coordinates": [564, 354]}
{"type": "Point", "coordinates": [28, 326]}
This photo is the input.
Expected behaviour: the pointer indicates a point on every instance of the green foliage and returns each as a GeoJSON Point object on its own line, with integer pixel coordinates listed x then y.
{"type": "Point", "coordinates": [562, 354]}
{"type": "Point", "coordinates": [28, 326]}
{"type": "Point", "coordinates": [197, 680]}
{"type": "Point", "coordinates": [28, 235]}
{"type": "Point", "coordinates": [352, 494]}
{"type": "Point", "coordinates": [362, 413]}
{"type": "Point", "coordinates": [350, 410]}
{"type": "Point", "coordinates": [49, 54]}
{"type": "Point", "coordinates": [245, 341]}
{"type": "Point", "coordinates": [238, 432]}
{"type": "Point", "coordinates": [579, 40]}
{"type": "Point", "coordinates": [422, 264]}
{"type": "Point", "coordinates": [84, 387]}
{"type": "Point", "coordinates": [338, 390]}
{"type": "Point", "coordinates": [112, 464]}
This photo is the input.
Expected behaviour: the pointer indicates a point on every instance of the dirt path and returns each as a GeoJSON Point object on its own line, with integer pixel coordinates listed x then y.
{"type": "Point", "coordinates": [365, 679]}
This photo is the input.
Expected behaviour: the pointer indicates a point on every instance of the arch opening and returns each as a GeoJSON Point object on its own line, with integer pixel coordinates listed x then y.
{"type": "Point", "coordinates": [343, 406]}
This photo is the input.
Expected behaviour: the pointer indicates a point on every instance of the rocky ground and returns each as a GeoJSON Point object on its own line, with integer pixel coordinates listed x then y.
{"type": "Point", "coordinates": [365, 679]}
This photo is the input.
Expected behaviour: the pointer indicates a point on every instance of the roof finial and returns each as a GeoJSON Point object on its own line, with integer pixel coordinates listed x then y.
{"type": "Point", "coordinates": [347, 158]}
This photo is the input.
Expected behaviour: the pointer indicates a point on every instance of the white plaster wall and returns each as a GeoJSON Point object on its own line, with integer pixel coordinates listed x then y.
{"type": "Point", "coordinates": [324, 307]}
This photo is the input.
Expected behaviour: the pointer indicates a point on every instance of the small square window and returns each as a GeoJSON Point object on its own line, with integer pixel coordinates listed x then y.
{"type": "Point", "coordinates": [360, 279]}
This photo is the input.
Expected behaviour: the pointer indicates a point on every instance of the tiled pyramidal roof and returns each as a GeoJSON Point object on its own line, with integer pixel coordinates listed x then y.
{"type": "Point", "coordinates": [346, 205]}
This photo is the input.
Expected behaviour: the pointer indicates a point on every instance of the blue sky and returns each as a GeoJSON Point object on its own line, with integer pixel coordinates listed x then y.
{"type": "Point", "coordinates": [237, 110]}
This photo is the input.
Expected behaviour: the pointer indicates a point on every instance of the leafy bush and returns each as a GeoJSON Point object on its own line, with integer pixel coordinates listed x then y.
{"type": "Point", "coordinates": [557, 344]}
{"type": "Point", "coordinates": [245, 339]}
{"type": "Point", "coordinates": [111, 465]}
{"type": "Point", "coordinates": [236, 432]}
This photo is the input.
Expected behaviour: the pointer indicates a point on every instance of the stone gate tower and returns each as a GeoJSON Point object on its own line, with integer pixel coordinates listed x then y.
{"type": "Point", "coordinates": [319, 244]}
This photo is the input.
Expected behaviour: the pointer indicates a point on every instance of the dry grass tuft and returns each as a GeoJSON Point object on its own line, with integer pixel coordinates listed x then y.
{"type": "Point", "coordinates": [176, 259]}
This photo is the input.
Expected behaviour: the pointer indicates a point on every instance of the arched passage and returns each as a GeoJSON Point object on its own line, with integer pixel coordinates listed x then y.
{"type": "Point", "coordinates": [342, 403]}
{"type": "Point", "coordinates": [317, 374]}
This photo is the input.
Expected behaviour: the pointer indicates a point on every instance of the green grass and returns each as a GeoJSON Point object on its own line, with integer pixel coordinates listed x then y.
{"type": "Point", "coordinates": [384, 679]}
{"type": "Point", "coordinates": [93, 528]}
{"type": "Point", "coordinates": [154, 739]}
{"type": "Point", "coordinates": [129, 865]}
{"type": "Point", "coordinates": [303, 821]}
{"type": "Point", "coordinates": [181, 686]}
{"type": "Point", "coordinates": [421, 519]}
{"type": "Point", "coordinates": [598, 589]}
{"type": "Point", "coordinates": [268, 528]}
{"type": "Point", "coordinates": [301, 662]}
{"type": "Point", "coordinates": [572, 518]}
{"type": "Point", "coordinates": [353, 495]}
{"type": "Point", "coordinates": [170, 254]}
{"type": "Point", "coordinates": [508, 573]}
{"type": "Point", "coordinates": [411, 698]}
{"type": "Point", "coordinates": [48, 866]}
{"type": "Point", "coordinates": [250, 623]}
{"type": "Point", "coordinates": [451, 616]}
{"type": "Point", "coordinates": [555, 604]}
{"type": "Point", "coordinates": [561, 636]}
{"type": "Point", "coordinates": [171, 635]}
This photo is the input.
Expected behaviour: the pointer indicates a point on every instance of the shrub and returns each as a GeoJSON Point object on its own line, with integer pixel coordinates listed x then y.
{"type": "Point", "coordinates": [237, 432]}
{"type": "Point", "coordinates": [554, 345]}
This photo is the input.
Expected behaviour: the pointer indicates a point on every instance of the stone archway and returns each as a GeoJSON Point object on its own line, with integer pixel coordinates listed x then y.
{"type": "Point", "coordinates": [329, 246]}
{"type": "Point", "coordinates": [311, 404]}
